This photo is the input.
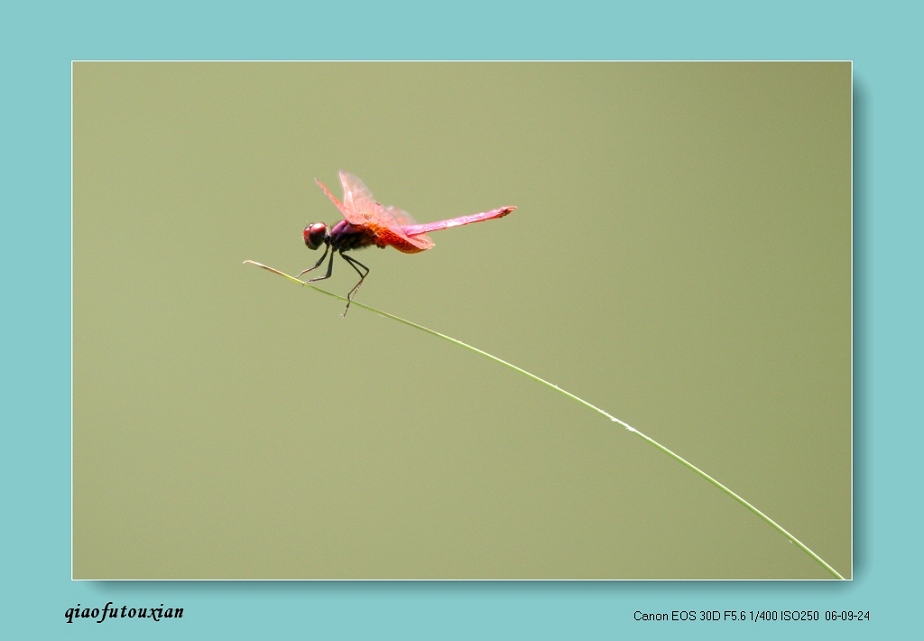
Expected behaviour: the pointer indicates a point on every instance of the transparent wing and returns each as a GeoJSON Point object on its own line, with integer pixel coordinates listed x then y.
{"type": "Point", "coordinates": [398, 220]}
{"type": "Point", "coordinates": [333, 198]}
{"type": "Point", "coordinates": [399, 216]}
{"type": "Point", "coordinates": [361, 208]}
{"type": "Point", "coordinates": [360, 205]}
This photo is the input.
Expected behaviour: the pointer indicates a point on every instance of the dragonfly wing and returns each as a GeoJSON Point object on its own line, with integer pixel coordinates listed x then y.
{"type": "Point", "coordinates": [422, 241]}
{"type": "Point", "coordinates": [401, 219]}
{"type": "Point", "coordinates": [361, 207]}
{"type": "Point", "coordinates": [333, 198]}
{"type": "Point", "coordinates": [387, 223]}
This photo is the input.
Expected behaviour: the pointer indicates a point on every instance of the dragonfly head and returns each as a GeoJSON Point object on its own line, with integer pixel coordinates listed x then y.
{"type": "Point", "coordinates": [315, 234]}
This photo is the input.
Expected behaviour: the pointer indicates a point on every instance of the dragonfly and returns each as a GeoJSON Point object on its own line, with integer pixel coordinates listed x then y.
{"type": "Point", "coordinates": [367, 222]}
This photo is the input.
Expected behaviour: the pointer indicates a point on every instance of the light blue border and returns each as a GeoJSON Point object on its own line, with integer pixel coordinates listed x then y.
{"type": "Point", "coordinates": [38, 45]}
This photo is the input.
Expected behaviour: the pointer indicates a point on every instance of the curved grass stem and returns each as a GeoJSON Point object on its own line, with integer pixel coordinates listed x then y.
{"type": "Point", "coordinates": [612, 418]}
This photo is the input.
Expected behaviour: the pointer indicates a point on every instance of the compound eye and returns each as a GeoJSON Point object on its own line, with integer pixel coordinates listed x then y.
{"type": "Point", "coordinates": [314, 235]}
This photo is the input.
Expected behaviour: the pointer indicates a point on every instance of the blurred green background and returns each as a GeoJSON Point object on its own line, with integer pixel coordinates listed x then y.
{"type": "Point", "coordinates": [681, 257]}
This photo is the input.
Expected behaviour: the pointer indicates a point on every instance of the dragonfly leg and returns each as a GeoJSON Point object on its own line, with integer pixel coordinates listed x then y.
{"type": "Point", "coordinates": [330, 268]}
{"type": "Point", "coordinates": [355, 264]}
{"type": "Point", "coordinates": [318, 264]}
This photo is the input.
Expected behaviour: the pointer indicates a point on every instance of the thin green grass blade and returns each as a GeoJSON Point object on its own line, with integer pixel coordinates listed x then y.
{"type": "Point", "coordinates": [612, 418]}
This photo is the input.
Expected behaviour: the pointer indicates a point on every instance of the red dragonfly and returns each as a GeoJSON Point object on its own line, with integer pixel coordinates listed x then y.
{"type": "Point", "coordinates": [368, 222]}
